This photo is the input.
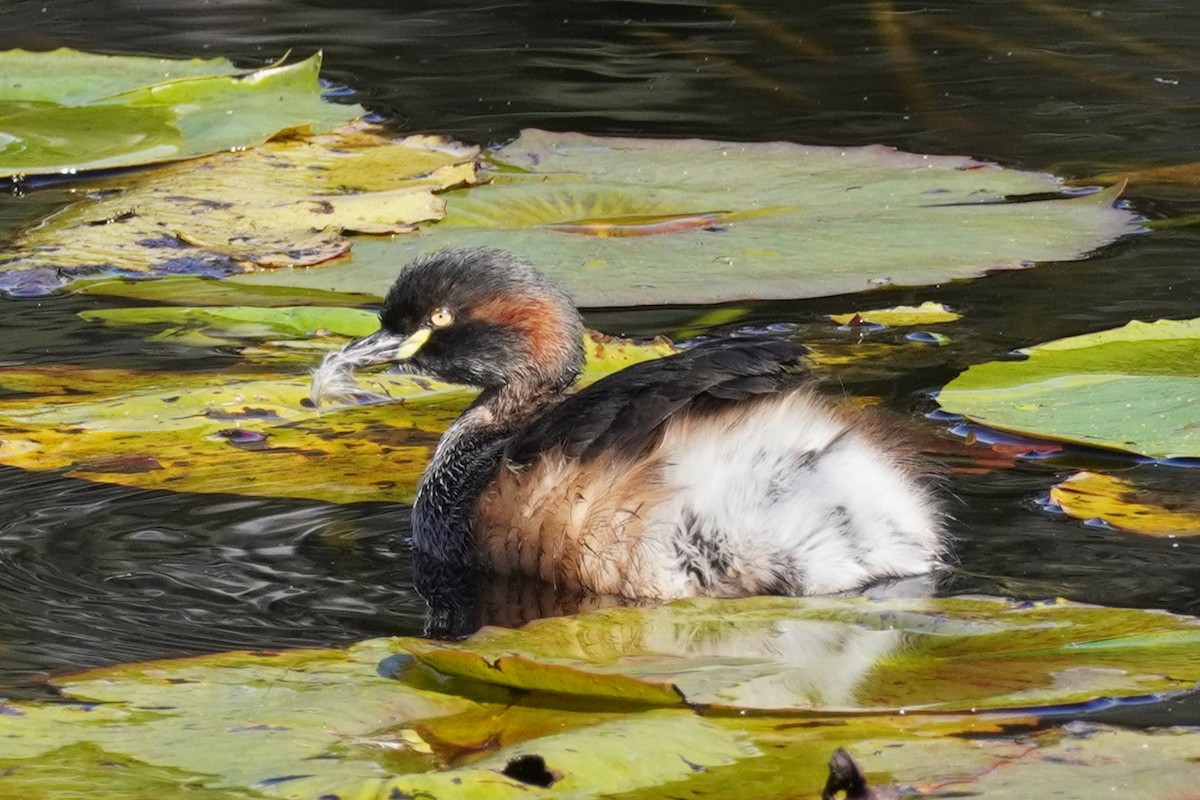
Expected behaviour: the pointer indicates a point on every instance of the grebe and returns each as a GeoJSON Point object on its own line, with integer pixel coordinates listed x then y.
{"type": "Point", "coordinates": [718, 471]}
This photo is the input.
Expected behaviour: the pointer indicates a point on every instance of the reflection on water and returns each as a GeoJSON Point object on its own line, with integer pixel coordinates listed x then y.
{"type": "Point", "coordinates": [93, 574]}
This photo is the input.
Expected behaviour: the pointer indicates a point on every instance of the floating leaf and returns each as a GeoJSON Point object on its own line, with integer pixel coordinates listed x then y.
{"type": "Point", "coordinates": [288, 203]}
{"type": "Point", "coordinates": [76, 78]}
{"type": "Point", "coordinates": [838, 654]}
{"type": "Point", "coordinates": [639, 221]}
{"type": "Point", "coordinates": [186, 290]}
{"type": "Point", "coordinates": [234, 324]}
{"type": "Point", "coordinates": [1186, 175]}
{"type": "Point", "coordinates": [66, 112]}
{"type": "Point", "coordinates": [1082, 762]}
{"type": "Point", "coordinates": [326, 723]}
{"type": "Point", "coordinates": [232, 725]}
{"type": "Point", "coordinates": [1166, 507]}
{"type": "Point", "coordinates": [245, 434]}
{"type": "Point", "coordinates": [1139, 386]}
{"type": "Point", "coordinates": [928, 313]}
{"type": "Point", "coordinates": [645, 751]}
{"type": "Point", "coordinates": [323, 723]}
{"type": "Point", "coordinates": [978, 450]}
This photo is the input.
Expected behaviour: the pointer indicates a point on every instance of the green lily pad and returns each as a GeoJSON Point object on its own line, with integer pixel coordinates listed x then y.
{"type": "Point", "coordinates": [250, 434]}
{"type": "Point", "coordinates": [1166, 506]}
{"type": "Point", "coordinates": [1082, 762]}
{"type": "Point", "coordinates": [66, 112]}
{"type": "Point", "coordinates": [838, 654]}
{"type": "Point", "coordinates": [322, 723]}
{"type": "Point", "coordinates": [188, 290]}
{"type": "Point", "coordinates": [231, 725]}
{"type": "Point", "coordinates": [49, 138]}
{"type": "Point", "coordinates": [623, 221]}
{"type": "Point", "coordinates": [233, 324]}
{"type": "Point", "coordinates": [289, 203]}
{"type": "Point", "coordinates": [327, 723]}
{"type": "Point", "coordinates": [653, 749]}
{"type": "Point", "coordinates": [76, 78]}
{"type": "Point", "coordinates": [1141, 384]}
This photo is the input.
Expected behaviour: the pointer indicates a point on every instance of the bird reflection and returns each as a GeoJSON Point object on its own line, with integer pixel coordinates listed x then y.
{"type": "Point", "coordinates": [462, 601]}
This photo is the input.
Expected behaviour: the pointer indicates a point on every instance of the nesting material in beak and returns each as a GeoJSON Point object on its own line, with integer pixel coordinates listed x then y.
{"type": "Point", "coordinates": [335, 377]}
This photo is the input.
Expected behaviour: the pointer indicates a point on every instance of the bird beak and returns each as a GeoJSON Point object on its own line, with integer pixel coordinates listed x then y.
{"type": "Point", "coordinates": [382, 347]}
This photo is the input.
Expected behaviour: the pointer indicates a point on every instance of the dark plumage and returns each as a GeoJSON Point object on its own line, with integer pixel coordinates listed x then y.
{"type": "Point", "coordinates": [625, 412]}
{"type": "Point", "coordinates": [716, 471]}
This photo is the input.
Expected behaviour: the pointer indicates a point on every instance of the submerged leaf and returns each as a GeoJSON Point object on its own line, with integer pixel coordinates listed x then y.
{"type": "Point", "coordinates": [1168, 506]}
{"type": "Point", "coordinates": [622, 221]}
{"type": "Point", "coordinates": [67, 112]}
{"type": "Point", "coordinates": [289, 203]}
{"type": "Point", "coordinates": [1141, 383]}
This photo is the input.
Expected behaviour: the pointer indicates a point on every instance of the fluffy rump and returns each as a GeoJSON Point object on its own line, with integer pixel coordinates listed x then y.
{"type": "Point", "coordinates": [789, 495]}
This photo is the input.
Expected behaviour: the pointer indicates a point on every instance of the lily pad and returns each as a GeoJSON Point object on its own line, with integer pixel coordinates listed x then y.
{"type": "Point", "coordinates": [1081, 762]}
{"type": "Point", "coordinates": [327, 723]}
{"type": "Point", "coordinates": [290, 202]}
{"type": "Point", "coordinates": [622, 221]}
{"type": "Point", "coordinates": [1166, 506]}
{"type": "Point", "coordinates": [250, 434]}
{"type": "Point", "coordinates": [839, 654]}
{"type": "Point", "coordinates": [187, 290]}
{"type": "Point", "coordinates": [233, 324]}
{"type": "Point", "coordinates": [65, 112]}
{"type": "Point", "coordinates": [233, 725]}
{"type": "Point", "coordinates": [1140, 382]}
{"type": "Point", "coordinates": [928, 313]}
{"type": "Point", "coordinates": [323, 723]}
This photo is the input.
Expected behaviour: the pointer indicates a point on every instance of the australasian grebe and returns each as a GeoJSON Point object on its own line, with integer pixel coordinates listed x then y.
{"type": "Point", "coordinates": [718, 471]}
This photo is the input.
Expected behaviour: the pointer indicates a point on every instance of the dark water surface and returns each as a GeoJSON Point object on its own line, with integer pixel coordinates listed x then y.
{"type": "Point", "coordinates": [93, 574]}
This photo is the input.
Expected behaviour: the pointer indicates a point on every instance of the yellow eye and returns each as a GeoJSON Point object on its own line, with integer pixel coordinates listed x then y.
{"type": "Point", "coordinates": [441, 318]}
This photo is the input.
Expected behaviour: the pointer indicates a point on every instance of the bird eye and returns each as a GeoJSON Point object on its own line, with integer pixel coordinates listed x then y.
{"type": "Point", "coordinates": [441, 318]}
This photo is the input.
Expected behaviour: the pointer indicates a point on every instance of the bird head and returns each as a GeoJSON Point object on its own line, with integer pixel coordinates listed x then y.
{"type": "Point", "coordinates": [478, 316]}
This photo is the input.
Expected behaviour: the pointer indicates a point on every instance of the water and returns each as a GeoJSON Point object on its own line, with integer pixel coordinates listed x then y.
{"type": "Point", "coordinates": [93, 574]}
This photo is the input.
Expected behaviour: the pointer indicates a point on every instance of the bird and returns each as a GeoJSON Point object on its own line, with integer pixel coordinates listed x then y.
{"type": "Point", "coordinates": [717, 471]}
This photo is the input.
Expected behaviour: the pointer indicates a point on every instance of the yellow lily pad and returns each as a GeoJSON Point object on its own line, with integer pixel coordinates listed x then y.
{"type": "Point", "coordinates": [1164, 510]}
{"type": "Point", "coordinates": [290, 203]}
{"type": "Point", "coordinates": [250, 434]}
{"type": "Point", "coordinates": [928, 313]}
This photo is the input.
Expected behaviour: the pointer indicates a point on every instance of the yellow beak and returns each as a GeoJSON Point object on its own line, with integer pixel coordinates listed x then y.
{"type": "Point", "coordinates": [412, 343]}
{"type": "Point", "coordinates": [381, 347]}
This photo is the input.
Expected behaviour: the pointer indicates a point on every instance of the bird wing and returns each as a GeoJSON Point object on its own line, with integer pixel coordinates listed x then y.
{"type": "Point", "coordinates": [623, 414]}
